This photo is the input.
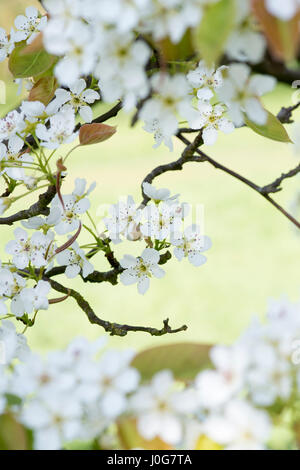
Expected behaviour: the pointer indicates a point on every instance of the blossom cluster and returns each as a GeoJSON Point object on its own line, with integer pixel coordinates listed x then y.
{"type": "Point", "coordinates": [160, 224]}
{"type": "Point", "coordinates": [77, 395]}
{"type": "Point", "coordinates": [94, 39]}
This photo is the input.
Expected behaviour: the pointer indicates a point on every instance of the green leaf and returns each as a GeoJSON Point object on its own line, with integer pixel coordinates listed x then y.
{"type": "Point", "coordinates": [273, 129]}
{"type": "Point", "coordinates": [185, 360]}
{"type": "Point", "coordinates": [13, 435]}
{"type": "Point", "coordinates": [215, 27]}
{"type": "Point", "coordinates": [24, 65]}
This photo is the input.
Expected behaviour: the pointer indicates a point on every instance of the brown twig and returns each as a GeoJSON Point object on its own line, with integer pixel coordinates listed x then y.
{"type": "Point", "coordinates": [115, 329]}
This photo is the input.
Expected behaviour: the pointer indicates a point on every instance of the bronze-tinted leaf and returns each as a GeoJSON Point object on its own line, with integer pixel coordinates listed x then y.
{"type": "Point", "coordinates": [185, 360]}
{"type": "Point", "coordinates": [95, 133]}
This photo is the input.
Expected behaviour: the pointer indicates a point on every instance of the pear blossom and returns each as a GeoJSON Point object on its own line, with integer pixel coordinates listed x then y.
{"type": "Point", "coordinates": [13, 160]}
{"type": "Point", "coordinates": [158, 407]}
{"type": "Point", "coordinates": [154, 127]}
{"type": "Point", "coordinates": [113, 379]}
{"type": "Point", "coordinates": [239, 427]}
{"type": "Point", "coordinates": [241, 93]}
{"type": "Point", "coordinates": [172, 18]}
{"type": "Point", "coordinates": [36, 298]}
{"type": "Point", "coordinates": [158, 195]}
{"type": "Point", "coordinates": [191, 245]}
{"type": "Point", "coordinates": [245, 43]}
{"type": "Point", "coordinates": [7, 45]}
{"type": "Point", "coordinates": [171, 97]}
{"type": "Point", "coordinates": [163, 221]}
{"type": "Point", "coordinates": [44, 223]}
{"type": "Point", "coordinates": [79, 97]}
{"type": "Point", "coordinates": [213, 121]}
{"type": "Point", "coordinates": [11, 125]}
{"type": "Point", "coordinates": [139, 270]}
{"type": "Point", "coordinates": [29, 26]}
{"type": "Point", "coordinates": [124, 220]}
{"type": "Point", "coordinates": [56, 419]}
{"type": "Point", "coordinates": [121, 70]}
{"type": "Point", "coordinates": [15, 345]}
{"type": "Point", "coordinates": [80, 53]}
{"type": "Point", "coordinates": [76, 261]}
{"type": "Point", "coordinates": [61, 130]}
{"type": "Point", "coordinates": [74, 205]}
{"type": "Point", "coordinates": [36, 250]}
{"type": "Point", "coordinates": [205, 80]}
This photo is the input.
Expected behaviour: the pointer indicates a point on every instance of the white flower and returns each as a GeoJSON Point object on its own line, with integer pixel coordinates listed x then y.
{"type": "Point", "coordinates": [10, 125]}
{"type": "Point", "coordinates": [37, 250]}
{"type": "Point", "coordinates": [29, 26]}
{"type": "Point", "coordinates": [283, 10]}
{"type": "Point", "coordinates": [15, 345]}
{"type": "Point", "coordinates": [112, 380]}
{"type": "Point", "coordinates": [217, 387]}
{"type": "Point", "coordinates": [80, 53]}
{"type": "Point", "coordinates": [44, 223]}
{"type": "Point", "coordinates": [74, 205]}
{"type": "Point", "coordinates": [153, 126]}
{"type": "Point", "coordinates": [239, 427]}
{"type": "Point", "coordinates": [158, 195]}
{"type": "Point", "coordinates": [170, 99]}
{"type": "Point", "coordinates": [163, 221]}
{"type": "Point", "coordinates": [213, 121]}
{"type": "Point", "coordinates": [205, 80]}
{"type": "Point", "coordinates": [173, 17]}
{"type": "Point", "coordinates": [13, 160]}
{"type": "Point", "coordinates": [159, 408]}
{"type": "Point", "coordinates": [124, 220]}
{"type": "Point", "coordinates": [241, 93]}
{"type": "Point", "coordinates": [61, 130]}
{"type": "Point", "coordinates": [79, 97]}
{"type": "Point", "coordinates": [121, 70]}
{"type": "Point", "coordinates": [6, 45]}
{"type": "Point", "coordinates": [139, 270]}
{"type": "Point", "coordinates": [55, 420]}
{"type": "Point", "coordinates": [245, 44]}
{"type": "Point", "coordinates": [36, 298]}
{"type": "Point", "coordinates": [191, 245]}
{"type": "Point", "coordinates": [76, 262]}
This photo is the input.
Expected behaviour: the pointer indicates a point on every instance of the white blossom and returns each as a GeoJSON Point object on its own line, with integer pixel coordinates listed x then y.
{"type": "Point", "coordinates": [241, 93]}
{"type": "Point", "coordinates": [76, 261]}
{"type": "Point", "coordinates": [140, 270]}
{"type": "Point", "coordinates": [29, 26]}
{"type": "Point", "coordinates": [7, 45]}
{"type": "Point", "coordinates": [79, 98]}
{"type": "Point", "coordinates": [191, 245]}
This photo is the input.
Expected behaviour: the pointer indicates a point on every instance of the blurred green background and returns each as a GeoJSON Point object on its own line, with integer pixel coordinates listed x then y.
{"type": "Point", "coordinates": [255, 249]}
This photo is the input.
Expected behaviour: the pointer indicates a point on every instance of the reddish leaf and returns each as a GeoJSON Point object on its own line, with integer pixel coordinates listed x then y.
{"type": "Point", "coordinates": [43, 90]}
{"type": "Point", "coordinates": [95, 133]}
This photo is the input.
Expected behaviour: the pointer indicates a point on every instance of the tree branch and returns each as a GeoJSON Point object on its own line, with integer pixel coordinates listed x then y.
{"type": "Point", "coordinates": [115, 329]}
{"type": "Point", "coordinates": [39, 208]}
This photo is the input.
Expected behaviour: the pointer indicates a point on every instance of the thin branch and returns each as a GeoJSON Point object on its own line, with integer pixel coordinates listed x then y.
{"type": "Point", "coordinates": [285, 114]}
{"type": "Point", "coordinates": [115, 329]}
{"type": "Point", "coordinates": [260, 190]}
{"type": "Point", "coordinates": [113, 112]}
{"type": "Point", "coordinates": [39, 208]}
{"type": "Point", "coordinates": [275, 187]}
